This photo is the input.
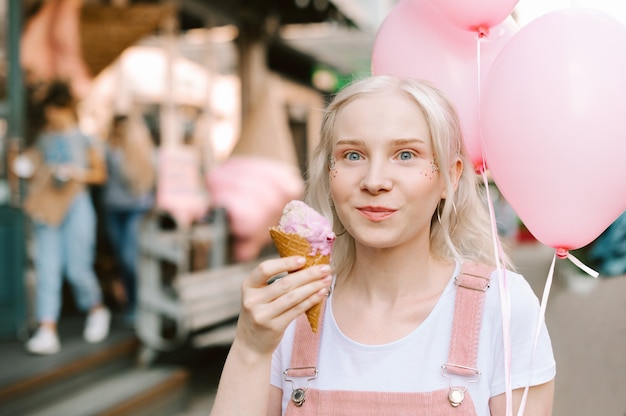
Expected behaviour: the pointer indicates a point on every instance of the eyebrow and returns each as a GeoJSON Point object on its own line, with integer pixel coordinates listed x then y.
{"type": "Point", "coordinates": [394, 142]}
{"type": "Point", "coordinates": [404, 142]}
{"type": "Point", "coordinates": [348, 142]}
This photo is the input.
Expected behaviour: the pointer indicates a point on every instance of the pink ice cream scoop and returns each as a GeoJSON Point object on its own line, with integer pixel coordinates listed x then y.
{"type": "Point", "coordinates": [299, 218]}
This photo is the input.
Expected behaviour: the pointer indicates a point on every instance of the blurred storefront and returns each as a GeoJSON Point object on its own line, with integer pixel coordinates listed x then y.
{"type": "Point", "coordinates": [228, 79]}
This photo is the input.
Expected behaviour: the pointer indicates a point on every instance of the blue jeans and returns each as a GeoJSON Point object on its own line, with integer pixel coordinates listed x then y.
{"type": "Point", "coordinates": [67, 250]}
{"type": "Point", "coordinates": [122, 227]}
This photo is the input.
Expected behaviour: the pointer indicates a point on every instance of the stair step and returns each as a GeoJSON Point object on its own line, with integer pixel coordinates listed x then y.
{"type": "Point", "coordinates": [135, 391]}
{"type": "Point", "coordinates": [89, 379]}
{"type": "Point", "coordinates": [37, 377]}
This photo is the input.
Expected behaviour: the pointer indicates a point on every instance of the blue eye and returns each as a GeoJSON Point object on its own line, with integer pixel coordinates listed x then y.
{"type": "Point", "coordinates": [405, 155]}
{"type": "Point", "coordinates": [353, 156]}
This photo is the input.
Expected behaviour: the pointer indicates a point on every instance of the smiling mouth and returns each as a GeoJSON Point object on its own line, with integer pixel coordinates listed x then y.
{"type": "Point", "coordinates": [376, 214]}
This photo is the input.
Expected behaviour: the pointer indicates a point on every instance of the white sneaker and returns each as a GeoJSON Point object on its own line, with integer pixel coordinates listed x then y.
{"type": "Point", "coordinates": [44, 342]}
{"type": "Point", "coordinates": [97, 325]}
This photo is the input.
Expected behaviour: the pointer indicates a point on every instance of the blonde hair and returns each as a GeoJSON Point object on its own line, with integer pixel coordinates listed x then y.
{"type": "Point", "coordinates": [132, 137]}
{"type": "Point", "coordinates": [460, 227]}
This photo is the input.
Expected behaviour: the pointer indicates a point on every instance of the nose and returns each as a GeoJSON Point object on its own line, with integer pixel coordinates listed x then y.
{"type": "Point", "coordinates": [376, 178]}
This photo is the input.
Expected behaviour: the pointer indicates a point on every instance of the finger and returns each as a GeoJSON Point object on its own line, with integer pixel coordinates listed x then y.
{"type": "Point", "coordinates": [273, 300]}
{"type": "Point", "coordinates": [301, 305]}
{"type": "Point", "coordinates": [291, 282]}
{"type": "Point", "coordinates": [269, 268]}
{"type": "Point", "coordinates": [298, 287]}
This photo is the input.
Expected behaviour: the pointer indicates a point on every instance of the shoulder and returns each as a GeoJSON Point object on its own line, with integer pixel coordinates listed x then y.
{"type": "Point", "coordinates": [512, 289]}
{"type": "Point", "coordinates": [501, 280]}
{"type": "Point", "coordinates": [508, 287]}
{"type": "Point", "coordinates": [514, 286]}
{"type": "Point", "coordinates": [530, 345]}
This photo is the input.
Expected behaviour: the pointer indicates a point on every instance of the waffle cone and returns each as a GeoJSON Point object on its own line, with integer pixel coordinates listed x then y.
{"type": "Point", "coordinates": [295, 245]}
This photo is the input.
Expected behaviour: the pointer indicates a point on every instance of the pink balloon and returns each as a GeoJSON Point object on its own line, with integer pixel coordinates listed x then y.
{"type": "Point", "coordinates": [554, 125]}
{"type": "Point", "coordinates": [416, 41]}
{"type": "Point", "coordinates": [475, 15]}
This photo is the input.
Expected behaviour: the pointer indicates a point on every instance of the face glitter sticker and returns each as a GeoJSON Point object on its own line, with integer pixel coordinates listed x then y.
{"type": "Point", "coordinates": [432, 170]}
{"type": "Point", "coordinates": [331, 167]}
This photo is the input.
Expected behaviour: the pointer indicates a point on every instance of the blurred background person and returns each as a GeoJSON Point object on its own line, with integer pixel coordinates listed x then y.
{"type": "Point", "coordinates": [63, 162]}
{"type": "Point", "coordinates": [128, 196]}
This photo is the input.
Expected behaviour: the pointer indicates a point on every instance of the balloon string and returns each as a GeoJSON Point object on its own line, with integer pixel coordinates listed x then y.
{"type": "Point", "coordinates": [582, 266]}
{"type": "Point", "coordinates": [483, 166]}
{"type": "Point", "coordinates": [540, 323]}
{"type": "Point", "coordinates": [542, 314]}
{"type": "Point", "coordinates": [505, 296]}
{"type": "Point", "coordinates": [505, 299]}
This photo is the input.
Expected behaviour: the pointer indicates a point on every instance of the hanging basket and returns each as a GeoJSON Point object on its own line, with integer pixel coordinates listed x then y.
{"type": "Point", "coordinates": [106, 31]}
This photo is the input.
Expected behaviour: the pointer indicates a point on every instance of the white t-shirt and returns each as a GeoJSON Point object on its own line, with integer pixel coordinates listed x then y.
{"type": "Point", "coordinates": [413, 363]}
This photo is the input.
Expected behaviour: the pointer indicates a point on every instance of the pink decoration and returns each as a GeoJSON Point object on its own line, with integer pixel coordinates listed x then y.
{"type": "Point", "coordinates": [254, 191]}
{"type": "Point", "coordinates": [180, 190]}
{"type": "Point", "coordinates": [416, 41]}
{"type": "Point", "coordinates": [50, 45]}
{"type": "Point", "coordinates": [553, 124]}
{"type": "Point", "coordinates": [475, 15]}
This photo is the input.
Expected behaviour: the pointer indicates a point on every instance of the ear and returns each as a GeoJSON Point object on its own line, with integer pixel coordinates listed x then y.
{"type": "Point", "coordinates": [456, 169]}
{"type": "Point", "coordinates": [455, 172]}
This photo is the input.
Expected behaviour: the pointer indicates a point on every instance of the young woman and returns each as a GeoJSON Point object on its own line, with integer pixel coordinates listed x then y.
{"type": "Point", "coordinates": [128, 196]}
{"type": "Point", "coordinates": [65, 238]}
{"type": "Point", "coordinates": [413, 323]}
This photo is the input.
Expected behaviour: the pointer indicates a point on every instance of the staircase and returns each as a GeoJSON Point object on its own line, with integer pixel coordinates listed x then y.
{"type": "Point", "coordinates": [89, 379]}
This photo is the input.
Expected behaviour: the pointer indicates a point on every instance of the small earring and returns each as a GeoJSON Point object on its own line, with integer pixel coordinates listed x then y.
{"type": "Point", "coordinates": [331, 163]}
{"type": "Point", "coordinates": [456, 222]}
{"type": "Point", "coordinates": [438, 210]}
{"type": "Point", "coordinates": [456, 217]}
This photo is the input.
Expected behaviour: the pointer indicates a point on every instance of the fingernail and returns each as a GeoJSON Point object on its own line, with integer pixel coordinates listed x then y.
{"type": "Point", "coordinates": [300, 260]}
{"type": "Point", "coordinates": [325, 269]}
{"type": "Point", "coordinates": [324, 292]}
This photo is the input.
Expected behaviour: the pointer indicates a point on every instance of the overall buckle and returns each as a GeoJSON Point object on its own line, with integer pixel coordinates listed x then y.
{"type": "Point", "coordinates": [298, 394]}
{"type": "Point", "coordinates": [457, 391]}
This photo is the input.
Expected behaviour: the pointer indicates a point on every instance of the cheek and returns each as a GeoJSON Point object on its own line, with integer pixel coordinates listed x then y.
{"type": "Point", "coordinates": [426, 187]}
{"type": "Point", "coordinates": [337, 185]}
{"type": "Point", "coordinates": [429, 172]}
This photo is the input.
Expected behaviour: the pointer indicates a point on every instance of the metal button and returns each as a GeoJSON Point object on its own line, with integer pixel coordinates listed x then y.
{"type": "Point", "coordinates": [456, 396]}
{"type": "Point", "coordinates": [297, 396]}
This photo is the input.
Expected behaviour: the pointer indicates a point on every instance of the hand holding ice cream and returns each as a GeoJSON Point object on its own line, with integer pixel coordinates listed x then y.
{"type": "Point", "coordinates": [303, 231]}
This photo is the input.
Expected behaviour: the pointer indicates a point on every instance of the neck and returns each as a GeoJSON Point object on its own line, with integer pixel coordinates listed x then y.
{"type": "Point", "coordinates": [389, 275]}
{"type": "Point", "coordinates": [388, 293]}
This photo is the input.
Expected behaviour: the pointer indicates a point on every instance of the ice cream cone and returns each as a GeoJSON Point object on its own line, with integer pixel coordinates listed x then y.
{"type": "Point", "coordinates": [291, 244]}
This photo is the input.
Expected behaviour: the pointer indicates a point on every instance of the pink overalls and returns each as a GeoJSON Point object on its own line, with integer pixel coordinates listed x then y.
{"type": "Point", "coordinates": [471, 284]}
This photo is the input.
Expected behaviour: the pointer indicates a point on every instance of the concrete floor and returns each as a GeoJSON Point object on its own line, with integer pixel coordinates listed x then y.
{"type": "Point", "coordinates": [586, 318]}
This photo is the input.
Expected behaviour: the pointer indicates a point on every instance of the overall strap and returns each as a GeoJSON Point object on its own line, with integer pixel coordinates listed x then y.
{"type": "Point", "coordinates": [306, 345]}
{"type": "Point", "coordinates": [471, 284]}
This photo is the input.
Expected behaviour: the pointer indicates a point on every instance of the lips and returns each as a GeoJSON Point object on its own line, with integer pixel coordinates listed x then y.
{"type": "Point", "coordinates": [376, 214]}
